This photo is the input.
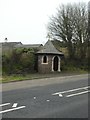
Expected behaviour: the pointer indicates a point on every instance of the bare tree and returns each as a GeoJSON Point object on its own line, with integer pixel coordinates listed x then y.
{"type": "Point", "coordinates": [81, 25]}
{"type": "Point", "coordinates": [70, 25]}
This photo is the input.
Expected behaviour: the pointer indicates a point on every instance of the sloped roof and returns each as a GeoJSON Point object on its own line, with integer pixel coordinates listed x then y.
{"type": "Point", "coordinates": [9, 44]}
{"type": "Point", "coordinates": [29, 45]}
{"type": "Point", "coordinates": [19, 45]}
{"type": "Point", "coordinates": [49, 48]}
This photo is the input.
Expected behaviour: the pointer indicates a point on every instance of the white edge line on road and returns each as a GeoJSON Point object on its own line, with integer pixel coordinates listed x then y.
{"type": "Point", "coordinates": [12, 109]}
{"type": "Point", "coordinates": [70, 90]}
{"type": "Point", "coordinates": [4, 104]}
{"type": "Point", "coordinates": [77, 94]}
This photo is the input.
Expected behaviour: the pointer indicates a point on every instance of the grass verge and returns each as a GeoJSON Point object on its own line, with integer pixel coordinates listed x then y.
{"type": "Point", "coordinates": [21, 77]}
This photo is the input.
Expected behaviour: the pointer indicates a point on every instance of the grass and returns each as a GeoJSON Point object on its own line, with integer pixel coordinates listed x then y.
{"type": "Point", "coordinates": [21, 77]}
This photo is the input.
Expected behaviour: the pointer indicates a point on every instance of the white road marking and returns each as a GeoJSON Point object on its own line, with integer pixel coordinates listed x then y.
{"type": "Point", "coordinates": [70, 90]}
{"type": "Point", "coordinates": [15, 105]}
{"type": "Point", "coordinates": [4, 104]}
{"type": "Point", "coordinates": [60, 95]}
{"type": "Point", "coordinates": [13, 109]}
{"type": "Point", "coordinates": [71, 95]}
{"type": "Point", "coordinates": [34, 97]}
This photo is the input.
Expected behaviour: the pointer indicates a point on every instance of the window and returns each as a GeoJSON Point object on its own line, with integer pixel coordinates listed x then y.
{"type": "Point", "coordinates": [45, 60]}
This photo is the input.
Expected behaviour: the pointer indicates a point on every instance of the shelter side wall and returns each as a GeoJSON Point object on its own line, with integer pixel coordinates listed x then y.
{"type": "Point", "coordinates": [44, 67]}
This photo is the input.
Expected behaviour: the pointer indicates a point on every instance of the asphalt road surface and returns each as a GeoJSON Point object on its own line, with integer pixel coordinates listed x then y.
{"type": "Point", "coordinates": [58, 100]}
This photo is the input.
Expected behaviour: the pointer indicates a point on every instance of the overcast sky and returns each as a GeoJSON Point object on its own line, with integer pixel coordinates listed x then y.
{"type": "Point", "coordinates": [26, 20]}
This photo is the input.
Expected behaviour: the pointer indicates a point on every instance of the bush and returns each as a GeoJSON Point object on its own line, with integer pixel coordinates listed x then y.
{"type": "Point", "coordinates": [74, 65]}
{"type": "Point", "coordinates": [19, 61]}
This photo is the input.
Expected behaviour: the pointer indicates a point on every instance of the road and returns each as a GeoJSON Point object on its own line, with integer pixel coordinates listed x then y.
{"type": "Point", "coordinates": [58, 100]}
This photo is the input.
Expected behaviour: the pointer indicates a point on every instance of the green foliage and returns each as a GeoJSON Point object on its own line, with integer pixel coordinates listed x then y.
{"type": "Point", "coordinates": [20, 60]}
{"type": "Point", "coordinates": [74, 65]}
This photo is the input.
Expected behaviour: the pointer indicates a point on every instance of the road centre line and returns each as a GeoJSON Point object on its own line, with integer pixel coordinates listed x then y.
{"type": "Point", "coordinates": [4, 104]}
{"type": "Point", "coordinates": [71, 95]}
{"type": "Point", "coordinates": [71, 90]}
{"type": "Point", "coordinates": [13, 109]}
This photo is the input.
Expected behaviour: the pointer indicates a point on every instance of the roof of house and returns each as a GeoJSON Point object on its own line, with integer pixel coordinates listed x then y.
{"type": "Point", "coordinates": [19, 45]}
{"type": "Point", "coordinates": [49, 48]}
{"type": "Point", "coordinates": [29, 45]}
{"type": "Point", "coordinates": [10, 43]}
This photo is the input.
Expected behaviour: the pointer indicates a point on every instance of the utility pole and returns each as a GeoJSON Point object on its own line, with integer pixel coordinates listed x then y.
{"type": "Point", "coordinates": [89, 18]}
{"type": "Point", "coordinates": [88, 39]}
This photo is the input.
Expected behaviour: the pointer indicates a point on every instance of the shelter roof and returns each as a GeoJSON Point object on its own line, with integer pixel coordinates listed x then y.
{"type": "Point", "coordinates": [49, 48]}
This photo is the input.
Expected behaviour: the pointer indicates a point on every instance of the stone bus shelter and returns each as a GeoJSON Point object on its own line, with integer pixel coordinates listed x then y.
{"type": "Point", "coordinates": [49, 58]}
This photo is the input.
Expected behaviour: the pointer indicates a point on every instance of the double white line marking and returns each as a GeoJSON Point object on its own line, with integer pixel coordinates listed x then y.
{"type": "Point", "coordinates": [14, 107]}
{"type": "Point", "coordinates": [4, 104]}
{"type": "Point", "coordinates": [77, 94]}
{"type": "Point", "coordinates": [72, 90]}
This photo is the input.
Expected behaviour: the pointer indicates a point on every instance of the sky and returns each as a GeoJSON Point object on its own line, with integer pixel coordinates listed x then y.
{"type": "Point", "coordinates": [26, 20]}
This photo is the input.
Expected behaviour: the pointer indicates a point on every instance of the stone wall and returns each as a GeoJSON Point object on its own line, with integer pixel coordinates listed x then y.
{"type": "Point", "coordinates": [44, 67]}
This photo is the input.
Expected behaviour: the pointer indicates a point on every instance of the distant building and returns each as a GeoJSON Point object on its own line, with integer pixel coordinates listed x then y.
{"type": "Point", "coordinates": [11, 45]}
{"type": "Point", "coordinates": [37, 46]}
{"type": "Point", "coordinates": [8, 46]}
{"type": "Point", "coordinates": [49, 58]}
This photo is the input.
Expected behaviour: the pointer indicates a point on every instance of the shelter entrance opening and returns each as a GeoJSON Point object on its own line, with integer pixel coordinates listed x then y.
{"type": "Point", "coordinates": [55, 64]}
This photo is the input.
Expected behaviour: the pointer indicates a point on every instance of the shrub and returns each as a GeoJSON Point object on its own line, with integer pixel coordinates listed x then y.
{"type": "Point", "coordinates": [19, 61]}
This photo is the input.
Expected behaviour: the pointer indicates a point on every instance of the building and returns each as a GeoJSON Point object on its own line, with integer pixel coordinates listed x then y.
{"type": "Point", "coordinates": [49, 58]}
{"type": "Point", "coordinates": [9, 46]}
{"type": "Point", "coordinates": [35, 46]}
